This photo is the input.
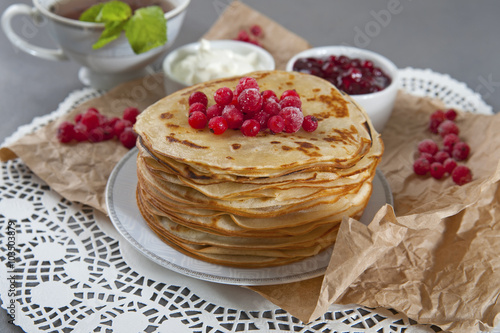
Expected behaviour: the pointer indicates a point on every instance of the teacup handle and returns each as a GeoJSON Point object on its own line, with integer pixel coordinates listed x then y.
{"type": "Point", "coordinates": [16, 40]}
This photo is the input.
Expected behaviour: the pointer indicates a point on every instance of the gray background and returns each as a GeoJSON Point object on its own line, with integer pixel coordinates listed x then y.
{"type": "Point", "coordinates": [456, 37]}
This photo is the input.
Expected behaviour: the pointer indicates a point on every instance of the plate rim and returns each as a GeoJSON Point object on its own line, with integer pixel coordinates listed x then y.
{"type": "Point", "coordinates": [164, 262]}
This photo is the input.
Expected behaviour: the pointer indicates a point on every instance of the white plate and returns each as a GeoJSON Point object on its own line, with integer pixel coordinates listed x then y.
{"type": "Point", "coordinates": [125, 215]}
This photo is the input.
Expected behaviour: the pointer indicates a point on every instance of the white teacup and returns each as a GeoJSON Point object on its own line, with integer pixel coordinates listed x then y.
{"type": "Point", "coordinates": [103, 67]}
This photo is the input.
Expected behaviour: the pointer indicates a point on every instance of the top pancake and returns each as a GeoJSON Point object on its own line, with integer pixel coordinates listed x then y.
{"type": "Point", "coordinates": [343, 136]}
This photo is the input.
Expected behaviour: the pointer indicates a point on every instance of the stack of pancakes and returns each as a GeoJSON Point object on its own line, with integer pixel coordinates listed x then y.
{"type": "Point", "coordinates": [255, 201]}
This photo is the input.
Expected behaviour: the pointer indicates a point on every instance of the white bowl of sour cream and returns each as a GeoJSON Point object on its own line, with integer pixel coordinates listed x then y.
{"type": "Point", "coordinates": [208, 60]}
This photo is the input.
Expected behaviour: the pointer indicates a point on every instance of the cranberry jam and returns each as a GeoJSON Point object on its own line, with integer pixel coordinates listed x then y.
{"type": "Point", "coordinates": [353, 76]}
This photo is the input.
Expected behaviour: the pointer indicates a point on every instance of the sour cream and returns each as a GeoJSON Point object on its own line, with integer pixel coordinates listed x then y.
{"type": "Point", "coordinates": [208, 63]}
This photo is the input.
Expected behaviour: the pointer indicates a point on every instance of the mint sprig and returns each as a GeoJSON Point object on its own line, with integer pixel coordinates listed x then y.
{"type": "Point", "coordinates": [145, 29]}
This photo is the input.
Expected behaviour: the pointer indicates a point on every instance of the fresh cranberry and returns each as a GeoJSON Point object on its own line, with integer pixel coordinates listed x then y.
{"type": "Point", "coordinates": [428, 146]}
{"type": "Point", "coordinates": [223, 96]}
{"type": "Point", "coordinates": [441, 156]}
{"type": "Point", "coordinates": [65, 132]}
{"type": "Point", "coordinates": [81, 132]}
{"type": "Point", "coordinates": [461, 175]}
{"type": "Point", "coordinates": [128, 138]}
{"type": "Point", "coordinates": [217, 125]}
{"type": "Point", "coordinates": [120, 126]}
{"type": "Point", "coordinates": [245, 83]}
{"type": "Point", "coordinates": [250, 100]}
{"type": "Point", "coordinates": [233, 116]}
{"type": "Point", "coordinates": [96, 134]}
{"type": "Point", "coordinates": [460, 151]}
{"type": "Point", "coordinates": [287, 93]}
{"type": "Point", "coordinates": [436, 118]}
{"type": "Point", "coordinates": [108, 132]}
{"type": "Point", "coordinates": [262, 117]}
{"type": "Point", "coordinates": [197, 120]}
{"type": "Point", "coordinates": [250, 127]}
{"type": "Point", "coordinates": [197, 107]}
{"type": "Point", "coordinates": [293, 119]}
{"type": "Point", "coordinates": [78, 117]}
{"type": "Point", "coordinates": [271, 107]}
{"type": "Point", "coordinates": [112, 121]}
{"type": "Point", "coordinates": [243, 36]}
{"type": "Point", "coordinates": [90, 119]}
{"type": "Point", "coordinates": [198, 97]}
{"type": "Point", "coordinates": [449, 165]}
{"type": "Point", "coordinates": [437, 170]}
{"type": "Point", "coordinates": [421, 166]}
{"type": "Point", "coordinates": [449, 140]}
{"type": "Point", "coordinates": [428, 157]}
{"type": "Point", "coordinates": [291, 101]}
{"type": "Point", "coordinates": [267, 94]}
{"type": "Point", "coordinates": [256, 30]}
{"type": "Point", "coordinates": [310, 123]}
{"type": "Point", "coordinates": [214, 111]}
{"type": "Point", "coordinates": [276, 124]}
{"type": "Point", "coordinates": [131, 114]}
{"type": "Point", "coordinates": [447, 127]}
{"type": "Point", "coordinates": [451, 114]}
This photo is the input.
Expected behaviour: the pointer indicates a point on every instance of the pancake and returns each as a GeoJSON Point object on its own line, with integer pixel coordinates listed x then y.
{"type": "Point", "coordinates": [257, 201]}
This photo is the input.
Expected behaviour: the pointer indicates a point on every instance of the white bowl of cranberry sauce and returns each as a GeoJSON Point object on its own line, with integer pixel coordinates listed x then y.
{"type": "Point", "coordinates": [368, 77]}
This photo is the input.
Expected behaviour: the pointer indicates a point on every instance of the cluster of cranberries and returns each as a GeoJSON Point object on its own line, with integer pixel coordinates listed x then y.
{"type": "Point", "coordinates": [251, 36]}
{"type": "Point", "coordinates": [249, 110]}
{"type": "Point", "coordinates": [92, 126]}
{"type": "Point", "coordinates": [351, 75]}
{"type": "Point", "coordinates": [439, 162]}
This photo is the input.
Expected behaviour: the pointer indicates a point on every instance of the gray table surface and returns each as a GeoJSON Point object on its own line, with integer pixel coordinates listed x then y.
{"type": "Point", "coordinates": [455, 37]}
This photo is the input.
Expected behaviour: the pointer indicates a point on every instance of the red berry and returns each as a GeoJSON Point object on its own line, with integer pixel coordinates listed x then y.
{"type": "Point", "coordinates": [111, 122]}
{"type": "Point", "coordinates": [461, 175]}
{"type": "Point", "coordinates": [447, 127]}
{"type": "Point", "coordinates": [245, 83]}
{"type": "Point", "coordinates": [437, 170]}
{"type": "Point", "coordinates": [276, 124]}
{"type": "Point", "coordinates": [449, 165]}
{"type": "Point", "coordinates": [92, 110]}
{"type": "Point", "coordinates": [197, 107]}
{"type": "Point", "coordinates": [450, 140]}
{"type": "Point", "coordinates": [287, 93]}
{"type": "Point", "coordinates": [428, 157]}
{"type": "Point", "coordinates": [197, 120]}
{"type": "Point", "coordinates": [460, 151]}
{"type": "Point", "coordinates": [310, 123]}
{"type": "Point", "coordinates": [267, 94]}
{"type": "Point", "coordinates": [120, 126]}
{"type": "Point", "coordinates": [250, 100]}
{"type": "Point", "coordinates": [198, 97]}
{"type": "Point", "coordinates": [78, 117]}
{"type": "Point", "coordinates": [262, 117]}
{"type": "Point", "coordinates": [131, 114]}
{"type": "Point", "coordinates": [293, 119]}
{"type": "Point", "coordinates": [90, 119]}
{"type": "Point", "coordinates": [108, 131]}
{"type": "Point", "coordinates": [217, 125]}
{"type": "Point", "coordinates": [428, 146]}
{"type": "Point", "coordinates": [128, 138]}
{"type": "Point", "coordinates": [243, 36]}
{"type": "Point", "coordinates": [441, 156]}
{"type": "Point", "coordinates": [223, 96]}
{"type": "Point", "coordinates": [250, 127]}
{"type": "Point", "coordinates": [271, 107]}
{"type": "Point", "coordinates": [233, 116]}
{"type": "Point", "coordinates": [433, 125]}
{"type": "Point", "coordinates": [256, 30]}
{"type": "Point", "coordinates": [96, 134]}
{"type": "Point", "coordinates": [436, 118]}
{"type": "Point", "coordinates": [81, 132]}
{"type": "Point", "coordinates": [291, 101]}
{"type": "Point", "coordinates": [214, 111]}
{"type": "Point", "coordinates": [450, 114]}
{"type": "Point", "coordinates": [65, 132]}
{"type": "Point", "coordinates": [421, 166]}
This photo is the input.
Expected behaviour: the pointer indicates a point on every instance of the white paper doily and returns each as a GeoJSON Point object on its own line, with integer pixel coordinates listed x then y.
{"type": "Point", "coordinates": [73, 272]}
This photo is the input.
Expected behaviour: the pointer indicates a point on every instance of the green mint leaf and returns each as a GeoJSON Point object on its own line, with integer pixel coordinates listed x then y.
{"type": "Point", "coordinates": [111, 32]}
{"type": "Point", "coordinates": [146, 29]}
{"type": "Point", "coordinates": [114, 11]}
{"type": "Point", "coordinates": [91, 14]}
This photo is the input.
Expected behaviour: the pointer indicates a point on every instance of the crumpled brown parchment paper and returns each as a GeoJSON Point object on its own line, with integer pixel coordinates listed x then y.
{"type": "Point", "coordinates": [433, 256]}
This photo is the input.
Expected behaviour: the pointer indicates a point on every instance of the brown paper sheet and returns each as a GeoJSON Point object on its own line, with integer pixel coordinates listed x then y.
{"type": "Point", "coordinates": [79, 171]}
{"type": "Point", "coordinates": [280, 42]}
{"type": "Point", "coordinates": [433, 257]}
